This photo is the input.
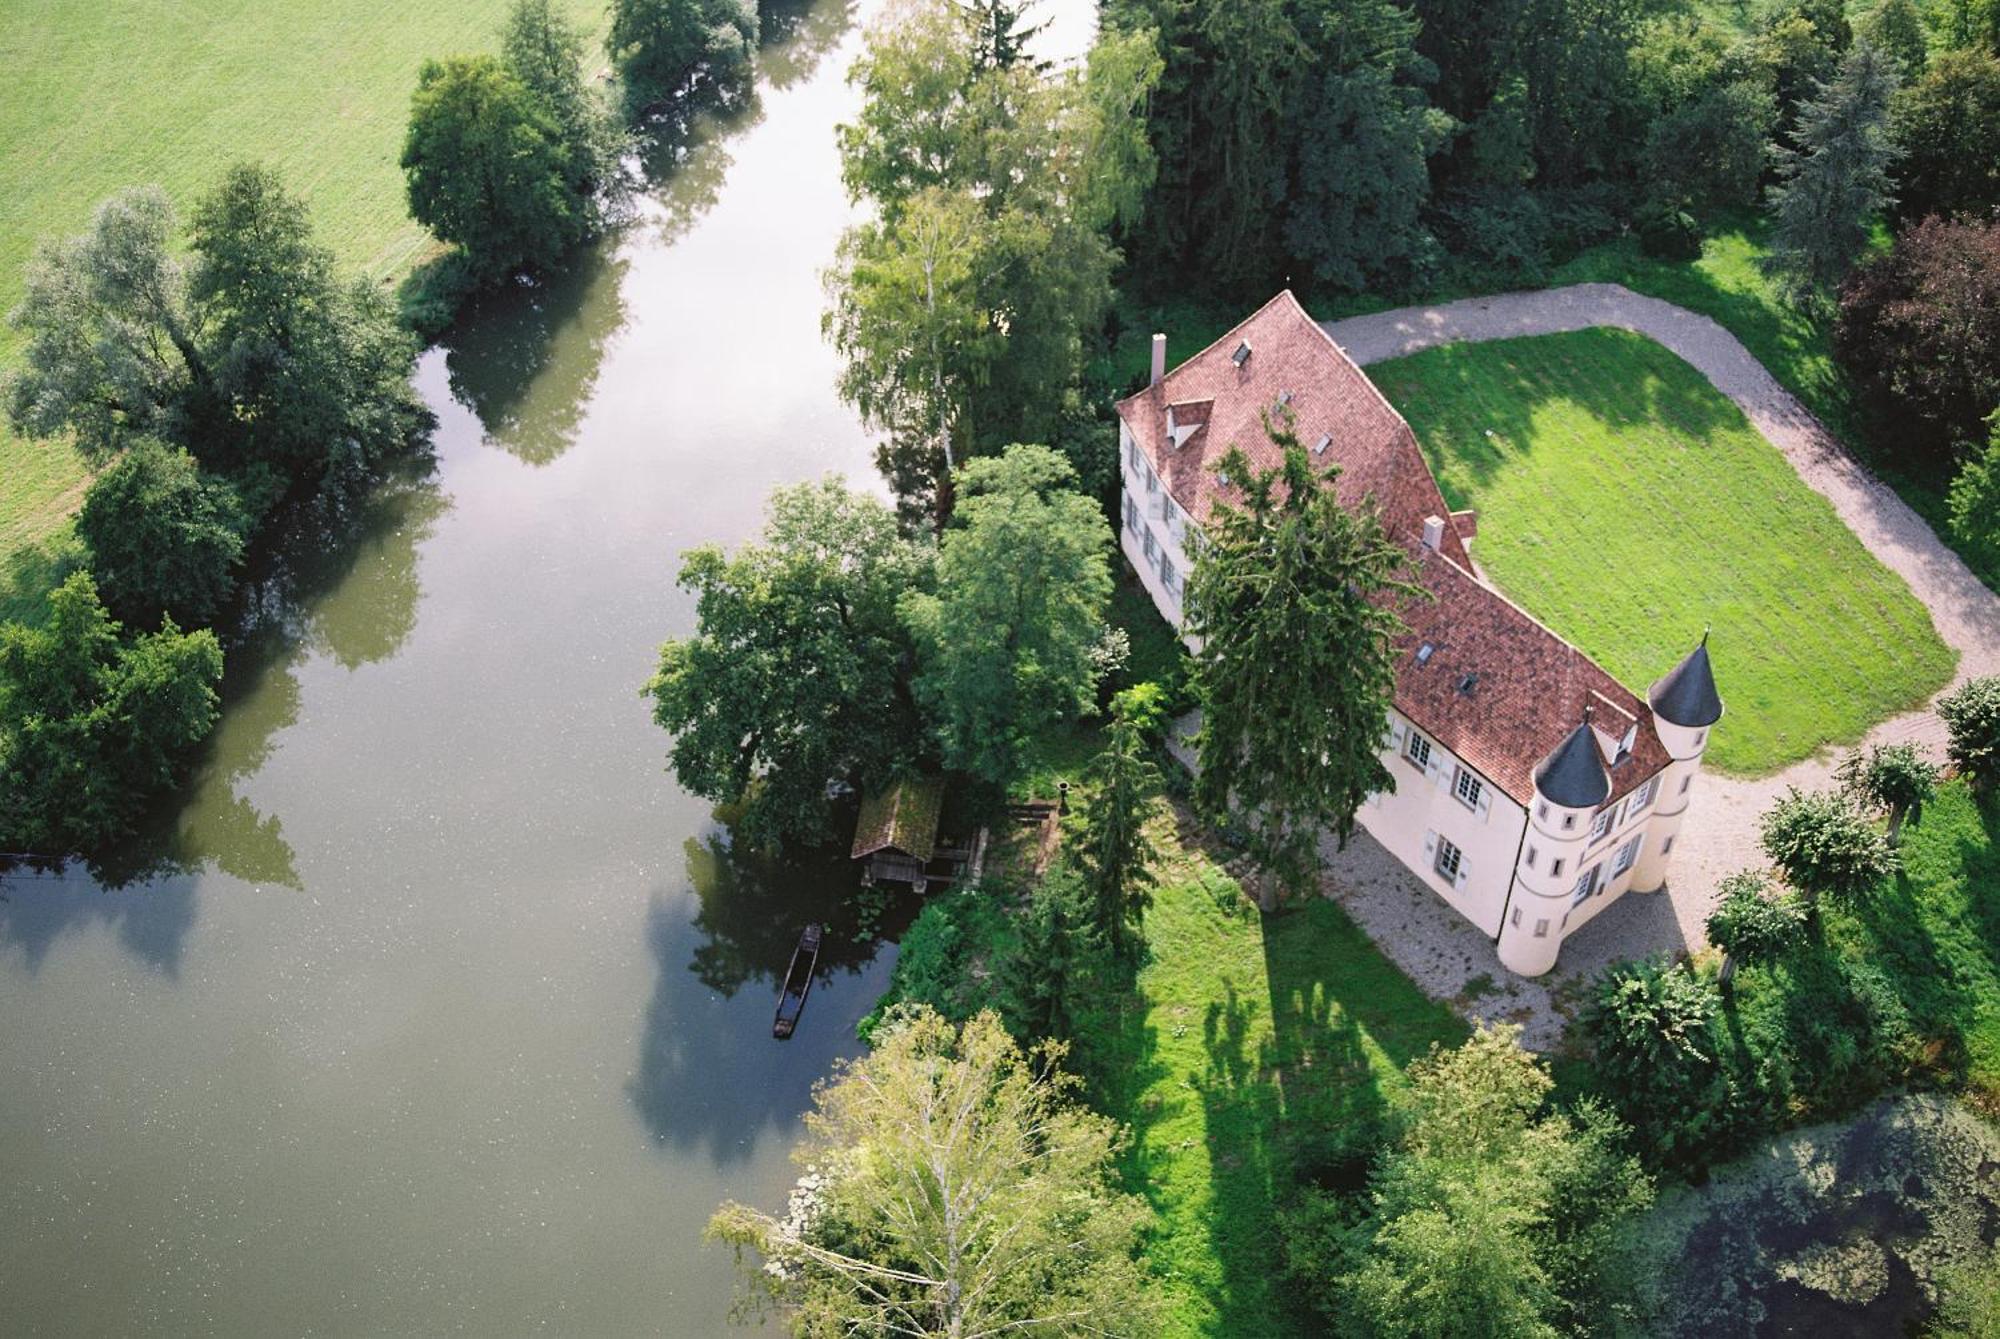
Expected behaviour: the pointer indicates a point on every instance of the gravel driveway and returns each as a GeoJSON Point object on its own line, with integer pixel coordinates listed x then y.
{"type": "Point", "coordinates": [1439, 949]}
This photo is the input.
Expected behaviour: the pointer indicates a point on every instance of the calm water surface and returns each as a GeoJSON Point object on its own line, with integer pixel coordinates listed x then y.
{"type": "Point", "coordinates": [457, 1014]}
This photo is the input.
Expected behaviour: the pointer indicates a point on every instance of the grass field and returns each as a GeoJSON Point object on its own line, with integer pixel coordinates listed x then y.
{"type": "Point", "coordinates": [114, 93]}
{"type": "Point", "coordinates": [1628, 504]}
{"type": "Point", "coordinates": [1257, 1054]}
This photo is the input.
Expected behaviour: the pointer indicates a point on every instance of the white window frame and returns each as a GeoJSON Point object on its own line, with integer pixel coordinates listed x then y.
{"type": "Point", "coordinates": [1600, 826]}
{"type": "Point", "coordinates": [1415, 742]}
{"type": "Point", "coordinates": [1449, 861]}
{"type": "Point", "coordinates": [1643, 796]}
{"type": "Point", "coordinates": [1149, 544]}
{"type": "Point", "coordinates": [1586, 884]}
{"type": "Point", "coordinates": [1132, 513]}
{"type": "Point", "coordinates": [1466, 787]}
{"type": "Point", "coordinates": [1628, 855]}
{"type": "Point", "coordinates": [1170, 577]}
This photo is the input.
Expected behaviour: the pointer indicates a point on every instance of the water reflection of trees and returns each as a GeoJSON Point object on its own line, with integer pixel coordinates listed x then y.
{"type": "Point", "coordinates": [796, 37]}
{"type": "Point", "coordinates": [342, 583]}
{"type": "Point", "coordinates": [709, 1074]}
{"type": "Point", "coordinates": [526, 360]}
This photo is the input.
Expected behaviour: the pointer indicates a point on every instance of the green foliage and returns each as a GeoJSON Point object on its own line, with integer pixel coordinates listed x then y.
{"type": "Point", "coordinates": [952, 1187]}
{"type": "Point", "coordinates": [1112, 847]}
{"type": "Point", "coordinates": [1824, 845]}
{"type": "Point", "coordinates": [1043, 982]}
{"type": "Point", "coordinates": [1835, 180]}
{"type": "Point", "coordinates": [90, 729]}
{"type": "Point", "coordinates": [1947, 126]}
{"type": "Point", "coordinates": [254, 357]}
{"type": "Point", "coordinates": [1649, 1026]}
{"type": "Point", "coordinates": [1971, 716]}
{"type": "Point", "coordinates": [795, 677]}
{"type": "Point", "coordinates": [488, 169]}
{"type": "Point", "coordinates": [1489, 1217]}
{"type": "Point", "coordinates": [1004, 644]}
{"type": "Point", "coordinates": [1975, 508]}
{"type": "Point", "coordinates": [1291, 600]}
{"type": "Point", "coordinates": [1897, 28]}
{"type": "Point", "coordinates": [962, 309]}
{"type": "Point", "coordinates": [1969, 1305]}
{"type": "Point", "coordinates": [662, 46]}
{"type": "Point", "coordinates": [1894, 777]}
{"type": "Point", "coordinates": [951, 958]}
{"type": "Point", "coordinates": [1710, 150]}
{"type": "Point", "coordinates": [1669, 233]}
{"type": "Point", "coordinates": [1919, 331]}
{"type": "Point", "coordinates": [163, 538]}
{"type": "Point", "coordinates": [545, 51]}
{"type": "Point", "coordinates": [1751, 923]}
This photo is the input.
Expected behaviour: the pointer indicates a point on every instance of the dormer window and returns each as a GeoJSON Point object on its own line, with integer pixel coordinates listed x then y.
{"type": "Point", "coordinates": [1241, 354]}
{"type": "Point", "coordinates": [1425, 652]}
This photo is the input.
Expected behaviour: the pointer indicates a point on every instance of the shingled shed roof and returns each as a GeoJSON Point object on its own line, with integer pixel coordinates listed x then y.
{"type": "Point", "coordinates": [1495, 687]}
{"type": "Point", "coordinates": [901, 817]}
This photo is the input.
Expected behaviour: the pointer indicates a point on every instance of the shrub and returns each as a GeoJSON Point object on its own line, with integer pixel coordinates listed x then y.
{"type": "Point", "coordinates": [660, 46]}
{"type": "Point", "coordinates": [1975, 508]}
{"type": "Point", "coordinates": [1750, 924]}
{"type": "Point", "coordinates": [163, 537]}
{"type": "Point", "coordinates": [1824, 845]}
{"type": "Point", "coordinates": [1972, 717]}
{"type": "Point", "coordinates": [1894, 777]}
{"type": "Point", "coordinates": [1669, 232]}
{"type": "Point", "coordinates": [1657, 1059]}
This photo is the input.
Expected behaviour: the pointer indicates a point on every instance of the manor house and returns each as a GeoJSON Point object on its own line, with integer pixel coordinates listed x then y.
{"type": "Point", "coordinates": [1531, 790]}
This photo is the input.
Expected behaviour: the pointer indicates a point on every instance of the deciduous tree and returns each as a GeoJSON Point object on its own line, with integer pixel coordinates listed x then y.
{"type": "Point", "coordinates": [1004, 644]}
{"type": "Point", "coordinates": [661, 46]}
{"type": "Point", "coordinates": [796, 675]}
{"type": "Point", "coordinates": [163, 538]}
{"type": "Point", "coordinates": [1649, 1026]}
{"type": "Point", "coordinates": [1752, 923]}
{"type": "Point", "coordinates": [1947, 128]}
{"type": "Point", "coordinates": [1292, 601]}
{"type": "Point", "coordinates": [1975, 507]}
{"type": "Point", "coordinates": [952, 1187]}
{"type": "Point", "coordinates": [1894, 777]}
{"type": "Point", "coordinates": [91, 729]}
{"type": "Point", "coordinates": [1825, 846]}
{"type": "Point", "coordinates": [544, 50]}
{"type": "Point", "coordinates": [488, 170]}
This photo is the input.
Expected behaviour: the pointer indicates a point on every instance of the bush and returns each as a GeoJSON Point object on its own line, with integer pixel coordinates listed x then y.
{"type": "Point", "coordinates": [1972, 716]}
{"type": "Point", "coordinates": [1669, 233]}
{"type": "Point", "coordinates": [949, 958]}
{"type": "Point", "coordinates": [1752, 925]}
{"type": "Point", "coordinates": [1975, 508]}
{"type": "Point", "coordinates": [163, 538]}
{"type": "Point", "coordinates": [1919, 331]}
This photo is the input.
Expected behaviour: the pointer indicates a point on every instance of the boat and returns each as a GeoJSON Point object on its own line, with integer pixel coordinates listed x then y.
{"type": "Point", "coordinates": [798, 983]}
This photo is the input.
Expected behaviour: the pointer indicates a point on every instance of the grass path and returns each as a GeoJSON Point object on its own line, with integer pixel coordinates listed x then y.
{"type": "Point", "coordinates": [1257, 1054]}
{"type": "Point", "coordinates": [104, 94]}
{"type": "Point", "coordinates": [1627, 503]}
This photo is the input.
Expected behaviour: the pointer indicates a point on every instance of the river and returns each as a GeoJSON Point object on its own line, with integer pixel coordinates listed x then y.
{"type": "Point", "coordinates": [453, 1011]}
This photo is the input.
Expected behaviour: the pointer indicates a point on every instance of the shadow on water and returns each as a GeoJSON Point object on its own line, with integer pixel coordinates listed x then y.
{"type": "Point", "coordinates": [341, 584]}
{"type": "Point", "coordinates": [796, 35]}
{"type": "Point", "coordinates": [710, 1074]}
{"type": "Point", "coordinates": [525, 359]}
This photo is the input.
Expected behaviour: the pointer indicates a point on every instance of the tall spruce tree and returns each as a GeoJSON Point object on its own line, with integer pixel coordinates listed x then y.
{"type": "Point", "coordinates": [1113, 850]}
{"type": "Point", "coordinates": [1292, 599]}
{"type": "Point", "coordinates": [1836, 181]}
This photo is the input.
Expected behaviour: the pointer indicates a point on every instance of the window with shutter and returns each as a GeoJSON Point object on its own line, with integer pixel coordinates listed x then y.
{"type": "Point", "coordinates": [1627, 853]}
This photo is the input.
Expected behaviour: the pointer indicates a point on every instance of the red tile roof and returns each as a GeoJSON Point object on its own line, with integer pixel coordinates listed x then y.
{"type": "Point", "coordinates": [1498, 689]}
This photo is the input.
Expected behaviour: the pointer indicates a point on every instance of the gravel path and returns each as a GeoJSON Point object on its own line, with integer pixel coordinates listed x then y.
{"type": "Point", "coordinates": [1441, 951]}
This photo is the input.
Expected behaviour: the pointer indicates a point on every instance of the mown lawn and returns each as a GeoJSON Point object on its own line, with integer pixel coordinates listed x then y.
{"type": "Point", "coordinates": [113, 93]}
{"type": "Point", "coordinates": [1628, 504]}
{"type": "Point", "coordinates": [1256, 1054]}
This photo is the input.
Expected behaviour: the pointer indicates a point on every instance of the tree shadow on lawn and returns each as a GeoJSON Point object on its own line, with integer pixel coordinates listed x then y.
{"type": "Point", "coordinates": [1622, 379]}
{"type": "Point", "coordinates": [1305, 1102]}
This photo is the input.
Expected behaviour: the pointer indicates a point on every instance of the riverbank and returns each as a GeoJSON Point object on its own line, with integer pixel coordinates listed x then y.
{"type": "Point", "coordinates": [104, 97]}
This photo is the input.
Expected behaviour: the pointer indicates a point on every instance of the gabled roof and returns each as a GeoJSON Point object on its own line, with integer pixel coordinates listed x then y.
{"type": "Point", "coordinates": [1686, 696]}
{"type": "Point", "coordinates": [902, 817]}
{"type": "Point", "coordinates": [1574, 776]}
{"type": "Point", "coordinates": [1497, 688]}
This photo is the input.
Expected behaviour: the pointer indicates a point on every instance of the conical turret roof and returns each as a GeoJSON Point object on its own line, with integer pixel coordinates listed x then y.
{"type": "Point", "coordinates": [1573, 775]}
{"type": "Point", "coordinates": [1687, 696]}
